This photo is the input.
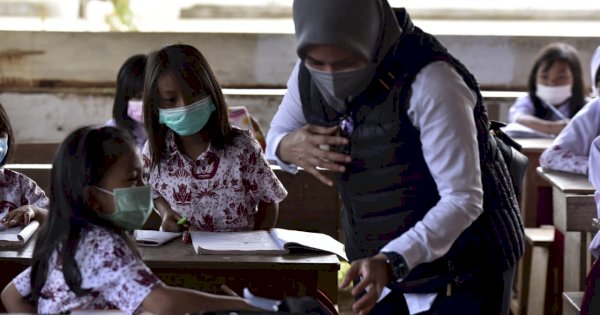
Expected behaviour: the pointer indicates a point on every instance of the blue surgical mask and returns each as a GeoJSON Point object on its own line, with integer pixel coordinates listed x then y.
{"type": "Point", "coordinates": [189, 119]}
{"type": "Point", "coordinates": [3, 147]}
{"type": "Point", "coordinates": [133, 205]}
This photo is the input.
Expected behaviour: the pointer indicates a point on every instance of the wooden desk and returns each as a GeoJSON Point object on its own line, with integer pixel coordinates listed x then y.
{"type": "Point", "coordinates": [178, 264]}
{"type": "Point", "coordinates": [573, 209]}
{"type": "Point", "coordinates": [532, 148]}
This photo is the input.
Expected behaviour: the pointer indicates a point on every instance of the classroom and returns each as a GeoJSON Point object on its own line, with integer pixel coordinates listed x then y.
{"type": "Point", "coordinates": [328, 157]}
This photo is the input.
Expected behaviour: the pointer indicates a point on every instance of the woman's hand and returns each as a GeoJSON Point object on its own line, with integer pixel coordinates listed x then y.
{"type": "Point", "coordinates": [304, 148]}
{"type": "Point", "coordinates": [21, 216]}
{"type": "Point", "coordinates": [373, 273]}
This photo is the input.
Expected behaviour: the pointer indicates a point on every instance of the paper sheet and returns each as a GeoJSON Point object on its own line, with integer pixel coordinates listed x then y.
{"type": "Point", "coordinates": [260, 302]}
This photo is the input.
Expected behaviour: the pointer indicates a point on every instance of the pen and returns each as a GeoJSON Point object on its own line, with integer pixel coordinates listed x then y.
{"type": "Point", "coordinates": [227, 290]}
{"type": "Point", "coordinates": [556, 111]}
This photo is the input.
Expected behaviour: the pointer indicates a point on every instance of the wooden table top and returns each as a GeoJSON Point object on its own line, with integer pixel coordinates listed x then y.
{"type": "Point", "coordinates": [180, 255]}
{"type": "Point", "coordinates": [534, 145]}
{"type": "Point", "coordinates": [567, 182]}
{"type": "Point", "coordinates": [176, 254]}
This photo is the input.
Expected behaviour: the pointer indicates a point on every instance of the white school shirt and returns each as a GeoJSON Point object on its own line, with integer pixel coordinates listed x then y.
{"type": "Point", "coordinates": [524, 106]}
{"type": "Point", "coordinates": [594, 178]}
{"type": "Point", "coordinates": [441, 108]}
{"type": "Point", "coordinates": [571, 148]}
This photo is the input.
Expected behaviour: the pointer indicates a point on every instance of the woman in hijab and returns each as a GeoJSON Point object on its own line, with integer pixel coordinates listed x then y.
{"type": "Point", "coordinates": [377, 100]}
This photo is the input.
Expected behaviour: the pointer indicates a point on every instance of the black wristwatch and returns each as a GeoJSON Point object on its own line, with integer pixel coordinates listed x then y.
{"type": "Point", "coordinates": [396, 265]}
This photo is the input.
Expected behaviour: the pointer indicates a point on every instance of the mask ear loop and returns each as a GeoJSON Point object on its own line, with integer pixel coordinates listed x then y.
{"type": "Point", "coordinates": [104, 190]}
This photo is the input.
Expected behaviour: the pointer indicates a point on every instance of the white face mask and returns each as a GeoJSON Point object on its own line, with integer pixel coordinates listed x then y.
{"type": "Point", "coordinates": [553, 95]}
{"type": "Point", "coordinates": [135, 110]}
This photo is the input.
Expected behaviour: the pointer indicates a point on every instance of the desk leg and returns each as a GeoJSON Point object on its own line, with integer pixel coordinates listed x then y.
{"type": "Point", "coordinates": [529, 195]}
{"type": "Point", "coordinates": [327, 283]}
{"type": "Point", "coordinates": [576, 262]}
{"type": "Point", "coordinates": [529, 192]}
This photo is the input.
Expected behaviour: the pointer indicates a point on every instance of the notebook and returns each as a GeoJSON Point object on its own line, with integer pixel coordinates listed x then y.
{"type": "Point", "coordinates": [153, 238]}
{"type": "Point", "coordinates": [517, 130]}
{"type": "Point", "coordinates": [276, 241]}
{"type": "Point", "coordinates": [17, 236]}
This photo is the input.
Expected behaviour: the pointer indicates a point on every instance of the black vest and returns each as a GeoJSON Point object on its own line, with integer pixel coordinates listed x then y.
{"type": "Point", "coordinates": [387, 188]}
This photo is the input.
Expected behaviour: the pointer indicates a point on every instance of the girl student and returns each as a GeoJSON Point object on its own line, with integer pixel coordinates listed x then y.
{"type": "Point", "coordinates": [570, 150]}
{"type": "Point", "coordinates": [556, 90]}
{"type": "Point", "coordinates": [594, 70]}
{"type": "Point", "coordinates": [83, 258]}
{"type": "Point", "coordinates": [127, 107]}
{"type": "Point", "coordinates": [201, 169]}
{"type": "Point", "coordinates": [21, 199]}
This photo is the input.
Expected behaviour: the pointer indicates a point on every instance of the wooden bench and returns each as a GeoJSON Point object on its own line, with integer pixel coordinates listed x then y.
{"type": "Point", "coordinates": [34, 153]}
{"type": "Point", "coordinates": [532, 272]}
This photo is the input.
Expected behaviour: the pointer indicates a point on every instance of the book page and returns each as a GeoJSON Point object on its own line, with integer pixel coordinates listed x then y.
{"type": "Point", "coordinates": [250, 242]}
{"type": "Point", "coordinates": [18, 234]}
{"type": "Point", "coordinates": [153, 237]}
{"type": "Point", "coordinates": [10, 234]}
{"type": "Point", "coordinates": [28, 231]}
{"type": "Point", "coordinates": [517, 130]}
{"type": "Point", "coordinates": [260, 302]}
{"type": "Point", "coordinates": [316, 241]}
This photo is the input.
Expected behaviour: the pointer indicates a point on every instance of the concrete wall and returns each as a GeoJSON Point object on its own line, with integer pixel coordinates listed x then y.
{"type": "Point", "coordinates": [239, 60]}
{"type": "Point", "coordinates": [52, 82]}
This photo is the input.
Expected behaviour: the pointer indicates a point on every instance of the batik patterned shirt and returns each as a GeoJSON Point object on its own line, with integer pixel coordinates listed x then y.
{"type": "Point", "coordinates": [115, 277]}
{"type": "Point", "coordinates": [17, 190]}
{"type": "Point", "coordinates": [220, 189]}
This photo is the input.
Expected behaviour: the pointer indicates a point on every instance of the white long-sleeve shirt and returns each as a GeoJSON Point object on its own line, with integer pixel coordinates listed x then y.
{"type": "Point", "coordinates": [570, 150]}
{"type": "Point", "coordinates": [441, 108]}
{"type": "Point", "coordinates": [594, 177]}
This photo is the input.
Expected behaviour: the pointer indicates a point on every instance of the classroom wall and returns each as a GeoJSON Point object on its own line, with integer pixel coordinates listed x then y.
{"type": "Point", "coordinates": [49, 117]}
{"type": "Point", "coordinates": [66, 79]}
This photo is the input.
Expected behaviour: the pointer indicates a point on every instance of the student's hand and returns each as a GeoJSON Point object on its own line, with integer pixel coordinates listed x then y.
{"type": "Point", "coordinates": [303, 148]}
{"type": "Point", "coordinates": [559, 125]}
{"type": "Point", "coordinates": [374, 277]}
{"type": "Point", "coordinates": [20, 216]}
{"type": "Point", "coordinates": [169, 222]}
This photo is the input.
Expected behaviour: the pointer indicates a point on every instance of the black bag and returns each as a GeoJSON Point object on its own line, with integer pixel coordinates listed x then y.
{"type": "Point", "coordinates": [515, 161]}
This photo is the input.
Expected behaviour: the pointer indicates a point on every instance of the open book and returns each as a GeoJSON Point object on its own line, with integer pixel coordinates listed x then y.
{"type": "Point", "coordinates": [274, 241]}
{"type": "Point", "coordinates": [153, 238]}
{"type": "Point", "coordinates": [516, 130]}
{"type": "Point", "coordinates": [17, 236]}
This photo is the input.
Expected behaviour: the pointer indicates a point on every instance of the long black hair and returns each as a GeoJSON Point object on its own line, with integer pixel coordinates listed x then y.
{"type": "Point", "coordinates": [6, 127]}
{"type": "Point", "coordinates": [81, 160]}
{"type": "Point", "coordinates": [546, 58]}
{"type": "Point", "coordinates": [193, 74]}
{"type": "Point", "coordinates": [130, 85]}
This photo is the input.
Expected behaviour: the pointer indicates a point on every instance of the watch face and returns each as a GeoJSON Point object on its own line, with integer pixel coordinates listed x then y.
{"type": "Point", "coordinates": [397, 264]}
